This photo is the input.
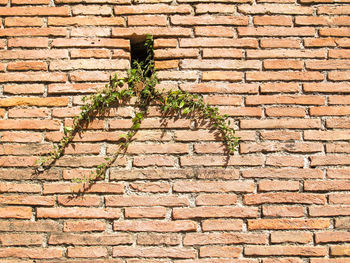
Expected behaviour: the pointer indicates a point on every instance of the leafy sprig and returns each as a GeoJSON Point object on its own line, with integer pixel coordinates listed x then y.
{"type": "Point", "coordinates": [140, 82]}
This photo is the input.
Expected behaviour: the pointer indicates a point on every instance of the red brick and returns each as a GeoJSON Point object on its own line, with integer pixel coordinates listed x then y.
{"type": "Point", "coordinates": [224, 238]}
{"type": "Point", "coordinates": [31, 200]}
{"type": "Point", "coordinates": [78, 201]}
{"type": "Point", "coordinates": [219, 64]}
{"type": "Point", "coordinates": [222, 225]}
{"type": "Point", "coordinates": [33, 54]}
{"type": "Point", "coordinates": [32, 77]}
{"type": "Point", "coordinates": [285, 251]}
{"type": "Point", "coordinates": [30, 2]}
{"type": "Point", "coordinates": [277, 147]}
{"type": "Point", "coordinates": [26, 66]}
{"type": "Point", "coordinates": [285, 161]}
{"type": "Point", "coordinates": [340, 250]}
{"type": "Point", "coordinates": [154, 160]}
{"type": "Point", "coordinates": [213, 31]}
{"type": "Point", "coordinates": [269, 31]}
{"type": "Point", "coordinates": [333, 10]}
{"type": "Point", "coordinates": [86, 252]}
{"type": "Point", "coordinates": [268, 185]}
{"type": "Point", "coordinates": [156, 252]}
{"type": "Point", "coordinates": [279, 88]}
{"type": "Point", "coordinates": [230, 88]}
{"type": "Point", "coordinates": [282, 173]}
{"type": "Point", "coordinates": [215, 251]}
{"type": "Point", "coordinates": [90, 42]}
{"type": "Point", "coordinates": [326, 87]}
{"type": "Point", "coordinates": [147, 20]}
{"type": "Point", "coordinates": [219, 160]}
{"type": "Point", "coordinates": [330, 160]}
{"type": "Point", "coordinates": [211, 211]}
{"type": "Point", "coordinates": [329, 211]}
{"type": "Point", "coordinates": [135, 200]}
{"type": "Point", "coordinates": [146, 212]}
{"type": "Point", "coordinates": [39, 42]}
{"type": "Point", "coordinates": [37, 32]}
{"type": "Point", "coordinates": [21, 239]}
{"type": "Point", "coordinates": [33, 253]}
{"type": "Point", "coordinates": [85, 21]}
{"type": "Point", "coordinates": [214, 8]}
{"type": "Point", "coordinates": [209, 20]}
{"type": "Point", "coordinates": [84, 226]}
{"type": "Point", "coordinates": [284, 76]}
{"type": "Point", "coordinates": [19, 212]}
{"type": "Point", "coordinates": [154, 31]}
{"type": "Point", "coordinates": [102, 10]}
{"type": "Point", "coordinates": [152, 9]}
{"type": "Point", "coordinates": [221, 42]}
{"type": "Point", "coordinates": [283, 211]}
{"type": "Point", "coordinates": [338, 148]}
{"type": "Point", "coordinates": [283, 64]}
{"type": "Point", "coordinates": [279, 43]}
{"type": "Point", "coordinates": [213, 186]}
{"type": "Point", "coordinates": [259, 224]}
{"type": "Point", "coordinates": [154, 226]}
{"type": "Point", "coordinates": [290, 198]}
{"type": "Point", "coordinates": [109, 213]}
{"type": "Point", "coordinates": [319, 42]}
{"type": "Point", "coordinates": [30, 226]}
{"type": "Point", "coordinates": [273, 20]}
{"type": "Point", "coordinates": [275, 9]}
{"type": "Point", "coordinates": [292, 237]}
{"type": "Point", "coordinates": [24, 21]}
{"type": "Point", "coordinates": [35, 11]}
{"type": "Point", "coordinates": [281, 124]}
{"type": "Point", "coordinates": [285, 112]}
{"type": "Point", "coordinates": [166, 64]}
{"type": "Point", "coordinates": [335, 32]}
{"type": "Point", "coordinates": [158, 239]}
{"type": "Point", "coordinates": [89, 239]}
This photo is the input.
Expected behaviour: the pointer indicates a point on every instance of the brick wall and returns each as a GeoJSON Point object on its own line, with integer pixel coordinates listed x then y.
{"type": "Point", "coordinates": [279, 68]}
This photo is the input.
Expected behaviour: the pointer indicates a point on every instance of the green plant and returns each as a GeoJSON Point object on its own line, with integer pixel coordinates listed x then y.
{"type": "Point", "coordinates": [140, 82]}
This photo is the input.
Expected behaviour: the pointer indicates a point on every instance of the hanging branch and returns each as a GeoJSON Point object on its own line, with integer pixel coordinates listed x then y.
{"type": "Point", "coordinates": [140, 82]}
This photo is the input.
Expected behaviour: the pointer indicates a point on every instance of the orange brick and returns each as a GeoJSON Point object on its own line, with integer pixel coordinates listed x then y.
{"type": "Point", "coordinates": [212, 211]}
{"type": "Point", "coordinates": [286, 53]}
{"type": "Point", "coordinates": [84, 226]}
{"type": "Point", "coordinates": [222, 42]}
{"type": "Point", "coordinates": [86, 252]}
{"type": "Point", "coordinates": [154, 226]}
{"type": "Point", "coordinates": [285, 112]}
{"type": "Point", "coordinates": [35, 11]}
{"type": "Point", "coordinates": [224, 238]}
{"type": "Point", "coordinates": [145, 212]}
{"type": "Point", "coordinates": [91, 10]}
{"type": "Point", "coordinates": [33, 32]}
{"type": "Point", "coordinates": [291, 198]}
{"type": "Point", "coordinates": [319, 42]}
{"type": "Point", "coordinates": [279, 43]}
{"type": "Point", "coordinates": [213, 31]}
{"type": "Point", "coordinates": [267, 185]}
{"type": "Point", "coordinates": [293, 237]}
{"type": "Point", "coordinates": [27, 66]}
{"type": "Point", "coordinates": [285, 251]}
{"type": "Point", "coordinates": [273, 20]}
{"type": "Point", "coordinates": [283, 64]}
{"type": "Point", "coordinates": [85, 21]}
{"type": "Point", "coordinates": [24, 22]}
{"type": "Point", "coordinates": [147, 20]}
{"type": "Point", "coordinates": [158, 239]}
{"type": "Point", "coordinates": [152, 9]}
{"type": "Point", "coordinates": [209, 20]}
{"type": "Point", "coordinates": [222, 53]}
{"type": "Point", "coordinates": [28, 42]}
{"type": "Point", "coordinates": [214, 8]}
{"type": "Point", "coordinates": [21, 239]}
{"type": "Point", "coordinates": [283, 211]}
{"type": "Point", "coordinates": [284, 76]}
{"type": "Point", "coordinates": [222, 225]}
{"type": "Point", "coordinates": [275, 9]}
{"type": "Point", "coordinates": [89, 239]}
{"type": "Point", "coordinates": [269, 31]}
{"type": "Point", "coordinates": [18, 212]}
{"type": "Point", "coordinates": [33, 253]}
{"type": "Point", "coordinates": [110, 213]}
{"type": "Point", "coordinates": [155, 252]}
{"type": "Point", "coordinates": [215, 251]}
{"type": "Point", "coordinates": [259, 224]}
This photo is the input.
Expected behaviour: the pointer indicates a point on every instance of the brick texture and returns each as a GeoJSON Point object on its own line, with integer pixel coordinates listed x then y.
{"type": "Point", "coordinates": [279, 68]}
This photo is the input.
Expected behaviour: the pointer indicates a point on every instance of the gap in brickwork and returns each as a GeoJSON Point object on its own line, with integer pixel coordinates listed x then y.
{"type": "Point", "coordinates": [138, 49]}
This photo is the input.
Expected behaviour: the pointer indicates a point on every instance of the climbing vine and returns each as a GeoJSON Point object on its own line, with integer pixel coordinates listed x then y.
{"type": "Point", "coordinates": [140, 83]}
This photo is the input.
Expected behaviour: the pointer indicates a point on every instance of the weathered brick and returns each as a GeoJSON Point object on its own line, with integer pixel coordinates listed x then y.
{"type": "Point", "coordinates": [33, 253]}
{"type": "Point", "coordinates": [155, 226]}
{"type": "Point", "coordinates": [224, 238]}
{"type": "Point", "coordinates": [18, 212]}
{"type": "Point", "coordinates": [215, 251]}
{"type": "Point", "coordinates": [268, 185]}
{"type": "Point", "coordinates": [282, 173]}
{"type": "Point", "coordinates": [145, 212]}
{"type": "Point", "coordinates": [285, 251]}
{"type": "Point", "coordinates": [84, 226]}
{"type": "Point", "coordinates": [283, 211]}
{"type": "Point", "coordinates": [86, 252]}
{"type": "Point", "coordinates": [21, 239]}
{"type": "Point", "coordinates": [281, 124]}
{"type": "Point", "coordinates": [254, 224]}
{"type": "Point", "coordinates": [291, 198]}
{"type": "Point", "coordinates": [109, 213]}
{"type": "Point", "coordinates": [222, 225]}
{"type": "Point", "coordinates": [211, 211]}
{"type": "Point", "coordinates": [136, 200]}
{"type": "Point", "coordinates": [292, 237]}
{"type": "Point", "coordinates": [213, 186]}
{"type": "Point", "coordinates": [89, 239]}
{"type": "Point", "coordinates": [156, 252]}
{"type": "Point", "coordinates": [158, 239]}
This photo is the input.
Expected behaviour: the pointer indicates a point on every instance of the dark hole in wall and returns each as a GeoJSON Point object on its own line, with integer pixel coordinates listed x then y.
{"type": "Point", "coordinates": [138, 49]}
